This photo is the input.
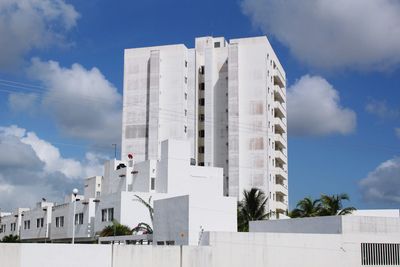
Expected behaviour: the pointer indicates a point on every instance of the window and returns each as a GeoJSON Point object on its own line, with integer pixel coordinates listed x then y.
{"type": "Point", "coordinates": [107, 215]}
{"type": "Point", "coordinates": [185, 112]}
{"type": "Point", "coordinates": [2, 228]}
{"type": "Point", "coordinates": [39, 222]}
{"type": "Point", "coordinates": [185, 63]}
{"type": "Point", "coordinates": [201, 163]}
{"type": "Point", "coordinates": [201, 102]}
{"type": "Point", "coordinates": [13, 227]}
{"type": "Point", "coordinates": [201, 70]}
{"type": "Point", "coordinates": [185, 79]}
{"type": "Point", "coordinates": [201, 117]}
{"type": "Point", "coordinates": [78, 218]}
{"type": "Point", "coordinates": [201, 133]}
{"type": "Point", "coordinates": [185, 96]}
{"type": "Point", "coordinates": [217, 44]}
{"type": "Point", "coordinates": [27, 225]}
{"type": "Point", "coordinates": [201, 149]}
{"type": "Point", "coordinates": [60, 221]}
{"type": "Point", "coordinates": [185, 129]}
{"type": "Point", "coordinates": [153, 183]}
{"type": "Point", "coordinates": [202, 86]}
{"type": "Point", "coordinates": [98, 194]}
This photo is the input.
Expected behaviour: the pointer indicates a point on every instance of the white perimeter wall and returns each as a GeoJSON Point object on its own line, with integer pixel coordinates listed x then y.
{"type": "Point", "coordinates": [227, 249]}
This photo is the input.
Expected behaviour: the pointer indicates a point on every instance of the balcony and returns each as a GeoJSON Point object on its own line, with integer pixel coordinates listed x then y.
{"type": "Point", "coordinates": [280, 174]}
{"type": "Point", "coordinates": [278, 78]}
{"type": "Point", "coordinates": [280, 126]}
{"type": "Point", "coordinates": [280, 143]}
{"type": "Point", "coordinates": [281, 205]}
{"type": "Point", "coordinates": [280, 158]}
{"type": "Point", "coordinates": [281, 189]}
{"type": "Point", "coordinates": [280, 111]}
{"type": "Point", "coordinates": [279, 95]}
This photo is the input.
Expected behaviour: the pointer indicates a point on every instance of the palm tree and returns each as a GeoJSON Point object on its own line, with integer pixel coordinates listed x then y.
{"type": "Point", "coordinates": [142, 227]}
{"type": "Point", "coordinates": [11, 239]}
{"type": "Point", "coordinates": [115, 229]}
{"type": "Point", "coordinates": [251, 208]}
{"type": "Point", "coordinates": [306, 207]}
{"type": "Point", "coordinates": [332, 205]}
{"type": "Point", "coordinates": [148, 205]}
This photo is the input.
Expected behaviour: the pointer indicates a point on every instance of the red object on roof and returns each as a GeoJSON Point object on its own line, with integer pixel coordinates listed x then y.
{"type": "Point", "coordinates": [130, 156]}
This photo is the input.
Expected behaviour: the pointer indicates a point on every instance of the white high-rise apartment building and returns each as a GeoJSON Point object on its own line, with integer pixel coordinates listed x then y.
{"type": "Point", "coordinates": [227, 98]}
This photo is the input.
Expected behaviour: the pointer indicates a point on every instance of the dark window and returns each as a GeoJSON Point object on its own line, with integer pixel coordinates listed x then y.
{"type": "Point", "coordinates": [217, 44]}
{"type": "Point", "coordinates": [79, 218]}
{"type": "Point", "coordinates": [201, 133]}
{"type": "Point", "coordinates": [201, 117]}
{"type": "Point", "coordinates": [201, 70]}
{"type": "Point", "coordinates": [153, 183]}
{"type": "Point", "coordinates": [185, 63]}
{"type": "Point", "coordinates": [201, 149]}
{"type": "Point", "coordinates": [201, 101]}
{"type": "Point", "coordinates": [201, 86]}
{"type": "Point", "coordinates": [185, 129]}
{"type": "Point", "coordinates": [201, 163]}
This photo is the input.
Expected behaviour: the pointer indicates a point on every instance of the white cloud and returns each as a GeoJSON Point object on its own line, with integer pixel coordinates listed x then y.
{"type": "Point", "coordinates": [82, 101]}
{"type": "Point", "coordinates": [382, 184]}
{"type": "Point", "coordinates": [32, 24]}
{"type": "Point", "coordinates": [356, 34]}
{"type": "Point", "coordinates": [22, 102]}
{"type": "Point", "coordinates": [381, 109]}
{"type": "Point", "coordinates": [314, 109]}
{"type": "Point", "coordinates": [32, 168]}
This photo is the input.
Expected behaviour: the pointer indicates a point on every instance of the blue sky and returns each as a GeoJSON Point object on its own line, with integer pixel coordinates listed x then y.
{"type": "Point", "coordinates": [341, 61]}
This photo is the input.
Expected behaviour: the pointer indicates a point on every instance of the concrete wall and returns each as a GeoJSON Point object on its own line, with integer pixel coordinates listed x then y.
{"type": "Point", "coordinates": [226, 249]}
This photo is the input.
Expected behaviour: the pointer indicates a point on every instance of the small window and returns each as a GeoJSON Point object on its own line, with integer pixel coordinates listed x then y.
{"type": "Point", "coordinates": [186, 80]}
{"type": "Point", "coordinates": [217, 44]}
{"type": "Point", "coordinates": [185, 96]}
{"type": "Point", "coordinates": [78, 218]}
{"type": "Point", "coordinates": [27, 225]}
{"type": "Point", "coordinates": [201, 102]}
{"type": "Point", "coordinates": [185, 129]}
{"type": "Point", "coordinates": [170, 243]}
{"type": "Point", "coordinates": [13, 227]}
{"type": "Point", "coordinates": [201, 86]}
{"type": "Point", "coordinates": [201, 133]}
{"type": "Point", "coordinates": [39, 223]}
{"type": "Point", "coordinates": [107, 215]}
{"type": "Point", "coordinates": [201, 117]}
{"type": "Point", "coordinates": [201, 163]}
{"type": "Point", "coordinates": [201, 149]}
{"type": "Point", "coordinates": [186, 63]}
{"type": "Point", "coordinates": [153, 183]}
{"type": "Point", "coordinates": [185, 112]}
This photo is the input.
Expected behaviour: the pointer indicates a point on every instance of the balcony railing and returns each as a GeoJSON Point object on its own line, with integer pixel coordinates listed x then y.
{"type": "Point", "coordinates": [280, 126]}
{"type": "Point", "coordinates": [281, 205]}
{"type": "Point", "coordinates": [280, 111]}
{"type": "Point", "coordinates": [278, 78]}
{"type": "Point", "coordinates": [279, 94]}
{"type": "Point", "coordinates": [281, 189]}
{"type": "Point", "coordinates": [281, 174]}
{"type": "Point", "coordinates": [280, 158]}
{"type": "Point", "coordinates": [280, 142]}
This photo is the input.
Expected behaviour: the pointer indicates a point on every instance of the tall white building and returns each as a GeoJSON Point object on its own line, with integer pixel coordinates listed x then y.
{"type": "Point", "coordinates": [227, 98]}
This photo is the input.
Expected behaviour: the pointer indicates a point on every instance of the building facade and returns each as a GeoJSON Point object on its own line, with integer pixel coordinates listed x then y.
{"type": "Point", "coordinates": [228, 99]}
{"type": "Point", "coordinates": [178, 191]}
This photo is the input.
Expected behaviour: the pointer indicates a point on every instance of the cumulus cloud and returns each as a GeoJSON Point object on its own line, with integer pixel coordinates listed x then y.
{"type": "Point", "coordinates": [32, 168]}
{"type": "Point", "coordinates": [32, 24]}
{"type": "Point", "coordinates": [22, 102]}
{"type": "Point", "coordinates": [82, 101]}
{"type": "Point", "coordinates": [355, 34]}
{"type": "Point", "coordinates": [314, 109]}
{"type": "Point", "coordinates": [382, 185]}
{"type": "Point", "coordinates": [381, 109]}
